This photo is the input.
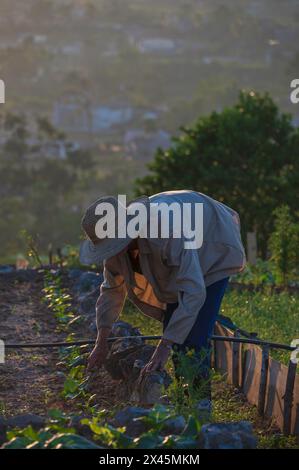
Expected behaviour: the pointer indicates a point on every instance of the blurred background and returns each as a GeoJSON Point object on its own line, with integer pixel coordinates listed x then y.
{"type": "Point", "coordinates": [95, 87]}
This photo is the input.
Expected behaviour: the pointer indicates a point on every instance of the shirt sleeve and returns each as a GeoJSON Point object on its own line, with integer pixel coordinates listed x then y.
{"type": "Point", "coordinates": [111, 300]}
{"type": "Point", "coordinates": [191, 296]}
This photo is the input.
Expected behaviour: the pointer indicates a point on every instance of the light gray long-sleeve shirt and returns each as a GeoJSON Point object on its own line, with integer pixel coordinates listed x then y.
{"type": "Point", "coordinates": [170, 272]}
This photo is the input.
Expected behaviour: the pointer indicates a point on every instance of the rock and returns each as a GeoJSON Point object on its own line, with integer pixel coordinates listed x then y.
{"type": "Point", "coordinates": [124, 362]}
{"type": "Point", "coordinates": [132, 363]}
{"type": "Point", "coordinates": [203, 410]}
{"type": "Point", "coordinates": [121, 357]}
{"type": "Point", "coordinates": [75, 273]}
{"type": "Point", "coordinates": [227, 436]}
{"type": "Point", "coordinates": [82, 429]}
{"type": "Point", "coordinates": [87, 303]}
{"type": "Point", "coordinates": [21, 275]}
{"type": "Point", "coordinates": [174, 425]}
{"type": "Point", "coordinates": [5, 268]}
{"type": "Point", "coordinates": [120, 350]}
{"type": "Point", "coordinates": [150, 391]}
{"type": "Point", "coordinates": [24, 420]}
{"type": "Point", "coordinates": [3, 427]}
{"type": "Point", "coordinates": [122, 328]}
{"type": "Point", "coordinates": [93, 326]}
{"type": "Point", "coordinates": [130, 418]}
{"type": "Point", "coordinates": [87, 282]}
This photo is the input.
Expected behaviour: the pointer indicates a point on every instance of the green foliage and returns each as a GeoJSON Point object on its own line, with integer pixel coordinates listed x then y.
{"type": "Point", "coordinates": [278, 441]}
{"type": "Point", "coordinates": [274, 316]}
{"type": "Point", "coordinates": [29, 438]}
{"type": "Point", "coordinates": [70, 255]}
{"type": "Point", "coordinates": [284, 245]}
{"type": "Point", "coordinates": [32, 247]}
{"type": "Point", "coordinates": [184, 392]}
{"type": "Point", "coordinates": [46, 439]}
{"type": "Point", "coordinates": [75, 383]}
{"type": "Point", "coordinates": [246, 156]}
{"type": "Point", "coordinates": [260, 274]}
{"type": "Point", "coordinates": [58, 299]}
{"type": "Point", "coordinates": [38, 189]}
{"type": "Point", "coordinates": [108, 435]}
{"type": "Point", "coordinates": [153, 438]}
{"type": "Point", "coordinates": [25, 438]}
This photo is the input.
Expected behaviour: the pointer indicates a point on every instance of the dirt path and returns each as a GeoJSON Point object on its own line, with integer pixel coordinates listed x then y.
{"type": "Point", "coordinates": [30, 380]}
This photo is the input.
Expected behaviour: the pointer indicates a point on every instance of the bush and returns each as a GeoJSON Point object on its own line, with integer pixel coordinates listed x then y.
{"type": "Point", "coordinates": [284, 245]}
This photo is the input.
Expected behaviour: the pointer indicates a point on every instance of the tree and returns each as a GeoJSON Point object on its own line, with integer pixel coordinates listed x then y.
{"type": "Point", "coordinates": [284, 245]}
{"type": "Point", "coordinates": [39, 193]}
{"type": "Point", "coordinates": [246, 156]}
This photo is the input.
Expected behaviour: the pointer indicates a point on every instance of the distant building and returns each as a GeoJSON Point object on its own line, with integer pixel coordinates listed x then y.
{"type": "Point", "coordinates": [142, 144]}
{"type": "Point", "coordinates": [156, 45]}
{"type": "Point", "coordinates": [72, 49]}
{"type": "Point", "coordinates": [74, 118]}
{"type": "Point", "coordinates": [223, 60]}
{"type": "Point", "coordinates": [70, 117]}
{"type": "Point", "coordinates": [58, 149]}
{"type": "Point", "coordinates": [104, 117]}
{"type": "Point", "coordinates": [40, 39]}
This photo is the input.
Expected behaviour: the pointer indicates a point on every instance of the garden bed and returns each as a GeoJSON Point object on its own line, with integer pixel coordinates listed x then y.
{"type": "Point", "coordinates": [37, 381]}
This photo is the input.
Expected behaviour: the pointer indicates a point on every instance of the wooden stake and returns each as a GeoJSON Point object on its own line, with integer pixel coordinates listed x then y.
{"type": "Point", "coordinates": [263, 380]}
{"type": "Point", "coordinates": [236, 361]}
{"type": "Point", "coordinates": [288, 398]}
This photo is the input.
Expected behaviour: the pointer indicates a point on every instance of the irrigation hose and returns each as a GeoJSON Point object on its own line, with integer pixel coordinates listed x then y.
{"type": "Point", "coordinates": [84, 342]}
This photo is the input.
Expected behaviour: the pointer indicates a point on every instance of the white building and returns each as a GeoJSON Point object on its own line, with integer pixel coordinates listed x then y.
{"type": "Point", "coordinates": [156, 45]}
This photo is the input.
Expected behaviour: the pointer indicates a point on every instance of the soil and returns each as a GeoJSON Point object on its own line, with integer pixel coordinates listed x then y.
{"type": "Point", "coordinates": [30, 380]}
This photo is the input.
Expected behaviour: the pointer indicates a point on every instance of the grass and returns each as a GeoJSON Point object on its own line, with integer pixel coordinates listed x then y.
{"type": "Point", "coordinates": [147, 325]}
{"type": "Point", "coordinates": [229, 405]}
{"type": "Point", "coordinates": [273, 316]}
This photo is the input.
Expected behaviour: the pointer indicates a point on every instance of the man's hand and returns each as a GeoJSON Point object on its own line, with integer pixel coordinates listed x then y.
{"type": "Point", "coordinates": [100, 351]}
{"type": "Point", "coordinates": [158, 359]}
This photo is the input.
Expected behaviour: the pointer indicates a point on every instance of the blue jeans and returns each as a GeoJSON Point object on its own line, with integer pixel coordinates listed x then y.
{"type": "Point", "coordinates": [199, 336]}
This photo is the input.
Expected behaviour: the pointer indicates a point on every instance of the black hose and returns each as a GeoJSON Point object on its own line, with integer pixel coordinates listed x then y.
{"type": "Point", "coordinates": [231, 339]}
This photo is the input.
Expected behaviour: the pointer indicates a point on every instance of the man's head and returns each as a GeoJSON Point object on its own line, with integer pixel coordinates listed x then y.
{"type": "Point", "coordinates": [106, 212]}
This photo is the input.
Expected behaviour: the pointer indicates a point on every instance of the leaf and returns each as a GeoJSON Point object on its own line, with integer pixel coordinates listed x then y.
{"type": "Point", "coordinates": [70, 441]}
{"type": "Point", "coordinates": [147, 441]}
{"type": "Point", "coordinates": [17, 443]}
{"type": "Point", "coordinates": [192, 427]}
{"type": "Point", "coordinates": [70, 385]}
{"type": "Point", "coordinates": [185, 443]}
{"type": "Point", "coordinates": [56, 414]}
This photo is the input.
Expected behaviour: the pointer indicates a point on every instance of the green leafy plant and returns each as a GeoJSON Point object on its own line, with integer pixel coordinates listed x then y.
{"type": "Point", "coordinates": [187, 389]}
{"type": "Point", "coordinates": [32, 247]}
{"type": "Point", "coordinates": [284, 245]}
{"type": "Point", "coordinates": [260, 274]}
{"type": "Point", "coordinates": [58, 299]}
{"type": "Point", "coordinates": [108, 435]}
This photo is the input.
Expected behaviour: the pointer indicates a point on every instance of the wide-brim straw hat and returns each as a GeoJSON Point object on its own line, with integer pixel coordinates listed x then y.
{"type": "Point", "coordinates": [95, 250]}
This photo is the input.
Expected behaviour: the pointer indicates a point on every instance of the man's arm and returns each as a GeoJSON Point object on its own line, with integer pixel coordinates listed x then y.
{"type": "Point", "coordinates": [108, 307]}
{"type": "Point", "coordinates": [111, 300]}
{"type": "Point", "coordinates": [191, 297]}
